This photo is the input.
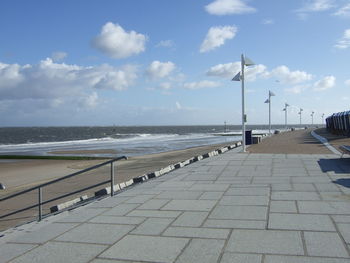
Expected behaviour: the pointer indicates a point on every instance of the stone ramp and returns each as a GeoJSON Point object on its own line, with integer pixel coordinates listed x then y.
{"type": "Point", "coordinates": [235, 207]}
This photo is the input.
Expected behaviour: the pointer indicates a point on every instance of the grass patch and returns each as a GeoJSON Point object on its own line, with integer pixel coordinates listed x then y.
{"type": "Point", "coordinates": [36, 157]}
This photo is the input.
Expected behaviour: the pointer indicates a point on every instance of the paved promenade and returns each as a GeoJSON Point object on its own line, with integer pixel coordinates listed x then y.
{"type": "Point", "coordinates": [250, 208]}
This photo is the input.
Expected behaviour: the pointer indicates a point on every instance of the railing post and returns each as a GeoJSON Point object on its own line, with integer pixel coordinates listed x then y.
{"type": "Point", "coordinates": [112, 179]}
{"type": "Point", "coordinates": [40, 202]}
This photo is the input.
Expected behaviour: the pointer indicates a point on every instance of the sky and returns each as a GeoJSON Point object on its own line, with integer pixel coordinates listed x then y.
{"type": "Point", "coordinates": [167, 62]}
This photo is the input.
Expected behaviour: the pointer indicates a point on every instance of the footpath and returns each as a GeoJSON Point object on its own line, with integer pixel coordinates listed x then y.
{"type": "Point", "coordinates": [234, 207]}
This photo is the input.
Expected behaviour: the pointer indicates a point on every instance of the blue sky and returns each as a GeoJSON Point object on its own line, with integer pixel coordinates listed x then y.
{"type": "Point", "coordinates": [167, 62]}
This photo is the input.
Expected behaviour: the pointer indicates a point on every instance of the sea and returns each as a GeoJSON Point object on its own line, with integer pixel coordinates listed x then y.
{"type": "Point", "coordinates": [124, 140]}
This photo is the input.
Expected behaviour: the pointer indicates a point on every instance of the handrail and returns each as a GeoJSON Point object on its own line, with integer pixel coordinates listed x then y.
{"type": "Point", "coordinates": [39, 187]}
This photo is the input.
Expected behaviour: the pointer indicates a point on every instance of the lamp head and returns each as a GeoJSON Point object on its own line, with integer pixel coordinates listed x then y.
{"type": "Point", "coordinates": [248, 61]}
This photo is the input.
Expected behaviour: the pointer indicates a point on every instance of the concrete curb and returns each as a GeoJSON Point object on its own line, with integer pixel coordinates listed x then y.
{"type": "Point", "coordinates": [67, 204]}
{"type": "Point", "coordinates": [325, 142]}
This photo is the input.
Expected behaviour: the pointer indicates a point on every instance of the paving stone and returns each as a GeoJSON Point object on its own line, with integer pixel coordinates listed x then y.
{"type": "Point", "coordinates": [81, 215]}
{"type": "Point", "coordinates": [300, 222]}
{"type": "Point", "coordinates": [240, 258]}
{"type": "Point", "coordinates": [9, 251]}
{"type": "Point", "coordinates": [121, 209]}
{"type": "Point", "coordinates": [139, 199]}
{"type": "Point", "coordinates": [294, 259]}
{"type": "Point", "coordinates": [281, 187]}
{"type": "Point", "coordinates": [192, 219]}
{"type": "Point", "coordinates": [119, 220]}
{"type": "Point", "coordinates": [179, 195]}
{"type": "Point", "coordinates": [199, 232]}
{"type": "Point", "coordinates": [250, 224]}
{"type": "Point", "coordinates": [202, 251]}
{"type": "Point", "coordinates": [152, 226]}
{"type": "Point", "coordinates": [294, 196]}
{"type": "Point", "coordinates": [344, 230]}
{"type": "Point", "coordinates": [266, 242]}
{"type": "Point", "coordinates": [341, 219]}
{"type": "Point", "coordinates": [57, 252]}
{"type": "Point", "coordinates": [174, 184]}
{"type": "Point", "coordinates": [209, 187]}
{"type": "Point", "coordinates": [328, 187]}
{"type": "Point", "coordinates": [244, 200]}
{"type": "Point", "coordinates": [44, 234]}
{"type": "Point", "coordinates": [155, 213]}
{"type": "Point", "coordinates": [248, 191]}
{"type": "Point", "coordinates": [333, 208]}
{"type": "Point", "coordinates": [324, 244]}
{"type": "Point", "coordinates": [146, 248]}
{"type": "Point", "coordinates": [109, 201]}
{"type": "Point", "coordinates": [211, 195]}
{"type": "Point", "coordinates": [283, 206]}
{"type": "Point", "coordinates": [153, 204]}
{"type": "Point", "coordinates": [96, 233]}
{"type": "Point", "coordinates": [239, 212]}
{"type": "Point", "coordinates": [303, 187]}
{"type": "Point", "coordinates": [190, 205]}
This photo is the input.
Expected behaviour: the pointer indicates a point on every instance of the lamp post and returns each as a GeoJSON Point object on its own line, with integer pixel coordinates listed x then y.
{"type": "Point", "coordinates": [312, 118]}
{"type": "Point", "coordinates": [240, 77]}
{"type": "Point", "coordinates": [286, 105]}
{"type": "Point", "coordinates": [300, 114]}
{"type": "Point", "coordinates": [269, 102]}
{"type": "Point", "coordinates": [322, 118]}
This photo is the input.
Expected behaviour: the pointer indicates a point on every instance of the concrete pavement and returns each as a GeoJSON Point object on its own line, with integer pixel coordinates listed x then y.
{"type": "Point", "coordinates": [254, 208]}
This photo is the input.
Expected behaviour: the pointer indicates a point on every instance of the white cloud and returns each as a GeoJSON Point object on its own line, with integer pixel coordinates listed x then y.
{"type": "Point", "coordinates": [297, 89]}
{"type": "Point", "coordinates": [58, 55]}
{"type": "Point", "coordinates": [317, 6]}
{"type": "Point", "coordinates": [217, 36]}
{"type": "Point", "coordinates": [283, 74]}
{"type": "Point", "coordinates": [201, 84]}
{"type": "Point", "coordinates": [90, 101]}
{"type": "Point", "coordinates": [165, 85]}
{"type": "Point", "coordinates": [229, 7]}
{"type": "Point", "coordinates": [267, 21]}
{"type": "Point", "coordinates": [327, 82]}
{"type": "Point", "coordinates": [115, 42]}
{"type": "Point", "coordinates": [344, 42]}
{"type": "Point", "coordinates": [49, 80]}
{"type": "Point", "coordinates": [178, 105]}
{"type": "Point", "coordinates": [157, 69]}
{"type": "Point", "coordinates": [166, 43]}
{"type": "Point", "coordinates": [343, 11]}
{"type": "Point", "coordinates": [229, 70]}
{"type": "Point", "coordinates": [347, 82]}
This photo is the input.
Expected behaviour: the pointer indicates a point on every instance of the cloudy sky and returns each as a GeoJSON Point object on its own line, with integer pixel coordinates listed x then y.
{"type": "Point", "coordinates": [166, 62]}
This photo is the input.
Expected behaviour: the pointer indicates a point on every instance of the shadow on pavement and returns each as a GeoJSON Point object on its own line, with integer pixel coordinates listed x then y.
{"type": "Point", "coordinates": [343, 182]}
{"type": "Point", "coordinates": [339, 165]}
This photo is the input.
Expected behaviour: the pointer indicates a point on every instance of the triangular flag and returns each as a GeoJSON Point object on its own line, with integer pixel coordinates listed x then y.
{"type": "Point", "coordinates": [237, 77]}
{"type": "Point", "coordinates": [267, 101]}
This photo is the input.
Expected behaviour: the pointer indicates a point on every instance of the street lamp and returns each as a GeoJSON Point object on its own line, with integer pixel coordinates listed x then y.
{"type": "Point", "coordinates": [300, 114]}
{"type": "Point", "coordinates": [322, 118]}
{"type": "Point", "coordinates": [286, 105]}
{"type": "Point", "coordinates": [312, 118]}
{"type": "Point", "coordinates": [240, 77]}
{"type": "Point", "coordinates": [269, 102]}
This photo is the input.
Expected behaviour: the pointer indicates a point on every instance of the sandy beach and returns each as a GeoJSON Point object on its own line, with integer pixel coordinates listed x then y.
{"type": "Point", "coordinates": [20, 174]}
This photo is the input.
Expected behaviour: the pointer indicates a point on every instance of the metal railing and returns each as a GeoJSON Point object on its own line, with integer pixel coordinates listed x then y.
{"type": "Point", "coordinates": [40, 203]}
